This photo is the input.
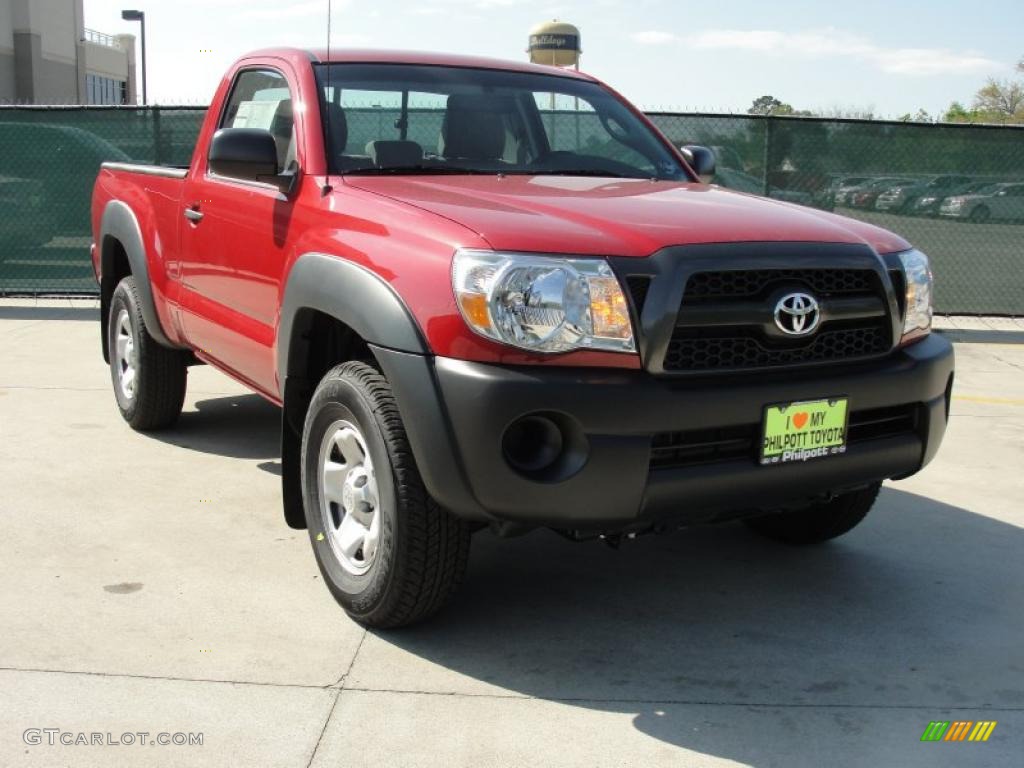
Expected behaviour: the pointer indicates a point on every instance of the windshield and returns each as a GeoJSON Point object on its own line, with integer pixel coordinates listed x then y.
{"type": "Point", "coordinates": [419, 119]}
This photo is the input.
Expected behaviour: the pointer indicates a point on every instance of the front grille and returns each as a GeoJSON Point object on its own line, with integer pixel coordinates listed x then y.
{"type": "Point", "coordinates": [704, 446]}
{"type": "Point", "coordinates": [747, 298]}
{"type": "Point", "coordinates": [690, 350]}
{"type": "Point", "coordinates": [677, 450]}
{"type": "Point", "coordinates": [747, 283]}
{"type": "Point", "coordinates": [883, 422]}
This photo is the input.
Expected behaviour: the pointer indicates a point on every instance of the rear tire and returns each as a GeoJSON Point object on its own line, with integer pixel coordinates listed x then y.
{"type": "Point", "coordinates": [149, 379]}
{"type": "Point", "coordinates": [388, 553]}
{"type": "Point", "coordinates": [819, 522]}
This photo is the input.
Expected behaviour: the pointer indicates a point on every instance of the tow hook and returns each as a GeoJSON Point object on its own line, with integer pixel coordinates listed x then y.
{"type": "Point", "coordinates": [614, 540]}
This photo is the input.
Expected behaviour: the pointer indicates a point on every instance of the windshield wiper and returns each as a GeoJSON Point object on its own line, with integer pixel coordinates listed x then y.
{"type": "Point", "coordinates": [580, 172]}
{"type": "Point", "coordinates": [426, 170]}
{"type": "Point", "coordinates": [417, 169]}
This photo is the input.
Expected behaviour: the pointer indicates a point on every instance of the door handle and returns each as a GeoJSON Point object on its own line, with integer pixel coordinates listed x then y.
{"type": "Point", "coordinates": [194, 214]}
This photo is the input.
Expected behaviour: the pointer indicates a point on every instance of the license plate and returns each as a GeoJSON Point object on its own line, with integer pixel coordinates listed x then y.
{"type": "Point", "coordinates": [797, 432]}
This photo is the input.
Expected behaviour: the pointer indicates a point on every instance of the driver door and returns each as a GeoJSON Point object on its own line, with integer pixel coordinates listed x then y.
{"type": "Point", "coordinates": [235, 237]}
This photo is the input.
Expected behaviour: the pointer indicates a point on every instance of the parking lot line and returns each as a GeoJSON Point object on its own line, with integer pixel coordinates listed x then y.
{"type": "Point", "coordinates": [989, 400]}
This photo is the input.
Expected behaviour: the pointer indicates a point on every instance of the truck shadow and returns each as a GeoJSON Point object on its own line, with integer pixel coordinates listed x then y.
{"type": "Point", "coordinates": [717, 641]}
{"type": "Point", "coordinates": [237, 426]}
{"type": "Point", "coordinates": [50, 312]}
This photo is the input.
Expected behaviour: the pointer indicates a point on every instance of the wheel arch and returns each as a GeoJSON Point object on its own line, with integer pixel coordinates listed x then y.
{"type": "Point", "coordinates": [123, 253]}
{"type": "Point", "coordinates": [351, 294]}
{"type": "Point", "coordinates": [332, 311]}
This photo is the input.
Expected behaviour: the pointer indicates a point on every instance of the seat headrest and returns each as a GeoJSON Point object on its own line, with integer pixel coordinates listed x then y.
{"type": "Point", "coordinates": [283, 120]}
{"type": "Point", "coordinates": [473, 127]}
{"type": "Point", "coordinates": [337, 123]}
{"type": "Point", "coordinates": [394, 153]}
{"type": "Point", "coordinates": [282, 128]}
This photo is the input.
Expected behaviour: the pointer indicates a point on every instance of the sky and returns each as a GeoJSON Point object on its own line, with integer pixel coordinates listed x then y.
{"type": "Point", "coordinates": [885, 56]}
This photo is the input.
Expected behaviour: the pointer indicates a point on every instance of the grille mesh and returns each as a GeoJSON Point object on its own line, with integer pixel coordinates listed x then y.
{"type": "Point", "coordinates": [738, 284]}
{"type": "Point", "coordinates": [746, 351]}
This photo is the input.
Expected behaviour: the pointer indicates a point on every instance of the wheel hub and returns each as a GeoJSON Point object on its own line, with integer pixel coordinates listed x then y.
{"type": "Point", "coordinates": [124, 354]}
{"type": "Point", "coordinates": [348, 497]}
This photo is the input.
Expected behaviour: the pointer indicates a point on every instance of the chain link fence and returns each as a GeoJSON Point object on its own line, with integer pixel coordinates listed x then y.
{"type": "Point", "coordinates": [49, 158]}
{"type": "Point", "coordinates": [956, 192]}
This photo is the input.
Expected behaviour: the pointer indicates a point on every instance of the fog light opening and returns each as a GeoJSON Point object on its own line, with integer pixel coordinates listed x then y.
{"type": "Point", "coordinates": [546, 447]}
{"type": "Point", "coordinates": [533, 444]}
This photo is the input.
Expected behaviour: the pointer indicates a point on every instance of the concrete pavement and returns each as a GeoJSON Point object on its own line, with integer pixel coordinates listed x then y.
{"type": "Point", "coordinates": [150, 584]}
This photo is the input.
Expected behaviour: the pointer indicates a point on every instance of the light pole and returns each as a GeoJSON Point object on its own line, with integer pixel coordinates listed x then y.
{"type": "Point", "coordinates": [140, 17]}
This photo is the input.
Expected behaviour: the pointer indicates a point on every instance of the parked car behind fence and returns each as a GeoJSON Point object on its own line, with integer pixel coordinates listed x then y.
{"type": "Point", "coordinates": [892, 198]}
{"type": "Point", "coordinates": [865, 196]}
{"type": "Point", "coordinates": [930, 202]}
{"type": "Point", "coordinates": [1000, 202]}
{"type": "Point", "coordinates": [900, 197]}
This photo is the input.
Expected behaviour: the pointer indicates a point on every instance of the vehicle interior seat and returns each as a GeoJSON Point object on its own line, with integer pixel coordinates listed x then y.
{"type": "Point", "coordinates": [282, 128]}
{"type": "Point", "coordinates": [337, 125]}
{"type": "Point", "coordinates": [474, 128]}
{"type": "Point", "coordinates": [389, 154]}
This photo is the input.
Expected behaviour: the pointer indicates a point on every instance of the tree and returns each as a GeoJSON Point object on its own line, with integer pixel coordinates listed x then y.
{"type": "Point", "coordinates": [1001, 99]}
{"type": "Point", "coordinates": [769, 105]}
{"type": "Point", "coordinates": [837, 112]}
{"type": "Point", "coordinates": [958, 113]}
{"type": "Point", "coordinates": [922, 116]}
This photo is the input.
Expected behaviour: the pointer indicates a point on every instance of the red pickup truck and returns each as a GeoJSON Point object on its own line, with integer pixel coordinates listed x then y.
{"type": "Point", "coordinates": [493, 295]}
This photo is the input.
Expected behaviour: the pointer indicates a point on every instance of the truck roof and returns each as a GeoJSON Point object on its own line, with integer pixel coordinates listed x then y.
{"type": "Point", "coordinates": [382, 56]}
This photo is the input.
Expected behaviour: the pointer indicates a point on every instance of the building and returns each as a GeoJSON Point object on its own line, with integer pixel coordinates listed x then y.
{"type": "Point", "coordinates": [47, 56]}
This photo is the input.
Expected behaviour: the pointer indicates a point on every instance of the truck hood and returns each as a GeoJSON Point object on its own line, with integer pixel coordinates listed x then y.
{"type": "Point", "coordinates": [616, 217]}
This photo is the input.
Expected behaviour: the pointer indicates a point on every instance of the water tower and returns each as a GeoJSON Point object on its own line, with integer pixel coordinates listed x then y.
{"type": "Point", "coordinates": [555, 43]}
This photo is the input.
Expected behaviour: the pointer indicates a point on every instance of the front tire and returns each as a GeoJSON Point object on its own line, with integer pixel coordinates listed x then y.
{"type": "Point", "coordinates": [388, 553]}
{"type": "Point", "coordinates": [149, 379]}
{"type": "Point", "coordinates": [819, 522]}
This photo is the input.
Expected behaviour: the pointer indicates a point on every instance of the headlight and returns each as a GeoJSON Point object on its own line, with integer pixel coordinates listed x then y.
{"type": "Point", "coordinates": [542, 303]}
{"type": "Point", "coordinates": [927, 200]}
{"type": "Point", "coordinates": [918, 275]}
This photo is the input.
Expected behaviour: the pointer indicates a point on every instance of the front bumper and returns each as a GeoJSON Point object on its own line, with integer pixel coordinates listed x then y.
{"type": "Point", "coordinates": [456, 414]}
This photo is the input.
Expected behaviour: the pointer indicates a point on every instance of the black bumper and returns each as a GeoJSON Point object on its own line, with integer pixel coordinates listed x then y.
{"type": "Point", "coordinates": [456, 414]}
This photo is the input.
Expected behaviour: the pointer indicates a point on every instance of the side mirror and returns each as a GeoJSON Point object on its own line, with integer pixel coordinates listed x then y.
{"type": "Point", "coordinates": [249, 154]}
{"type": "Point", "coordinates": [701, 160]}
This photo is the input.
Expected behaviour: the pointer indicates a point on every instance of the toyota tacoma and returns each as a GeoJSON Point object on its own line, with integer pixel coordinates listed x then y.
{"type": "Point", "coordinates": [492, 295]}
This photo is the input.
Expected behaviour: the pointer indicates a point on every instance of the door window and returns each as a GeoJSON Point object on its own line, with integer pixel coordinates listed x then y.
{"type": "Point", "coordinates": [261, 99]}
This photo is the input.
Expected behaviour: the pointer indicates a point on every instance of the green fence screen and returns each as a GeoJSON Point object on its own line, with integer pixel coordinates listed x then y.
{"type": "Point", "coordinates": [956, 192]}
{"type": "Point", "coordinates": [49, 158]}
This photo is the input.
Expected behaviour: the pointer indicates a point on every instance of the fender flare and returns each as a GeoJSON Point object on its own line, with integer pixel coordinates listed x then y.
{"type": "Point", "coordinates": [354, 296]}
{"type": "Point", "coordinates": [351, 294]}
{"type": "Point", "coordinates": [119, 222]}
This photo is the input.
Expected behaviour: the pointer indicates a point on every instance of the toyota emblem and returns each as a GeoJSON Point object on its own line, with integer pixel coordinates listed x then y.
{"type": "Point", "coordinates": [797, 314]}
